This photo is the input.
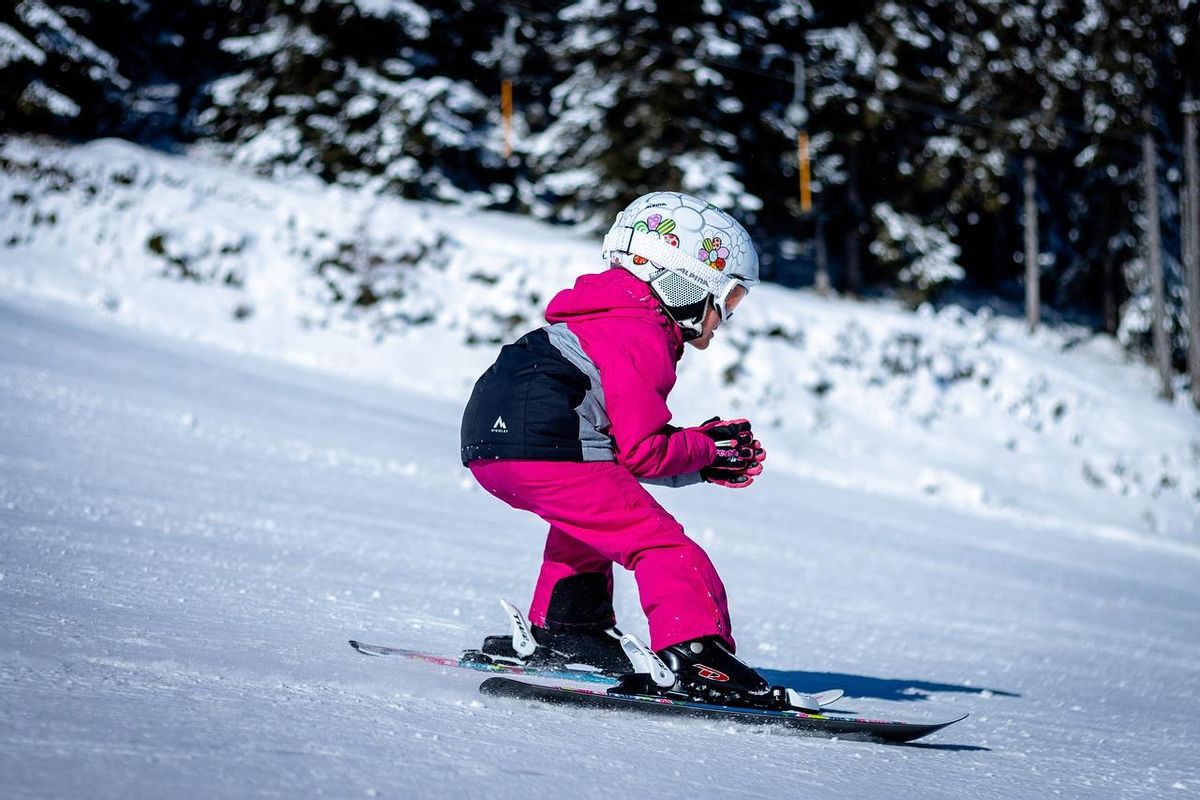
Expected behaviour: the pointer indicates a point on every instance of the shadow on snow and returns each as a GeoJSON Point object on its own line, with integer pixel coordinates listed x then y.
{"type": "Point", "coordinates": [901, 689]}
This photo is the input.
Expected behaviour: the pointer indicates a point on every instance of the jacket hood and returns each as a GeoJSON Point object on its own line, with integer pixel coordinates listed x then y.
{"type": "Point", "coordinates": [615, 293]}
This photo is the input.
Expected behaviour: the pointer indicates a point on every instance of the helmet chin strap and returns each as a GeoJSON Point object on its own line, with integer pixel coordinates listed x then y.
{"type": "Point", "coordinates": [690, 329]}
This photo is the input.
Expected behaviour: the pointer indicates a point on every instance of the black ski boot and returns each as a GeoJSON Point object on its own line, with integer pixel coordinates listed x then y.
{"type": "Point", "coordinates": [706, 671]}
{"type": "Point", "coordinates": [579, 630]}
{"type": "Point", "coordinates": [563, 647]}
{"type": "Point", "coordinates": [596, 648]}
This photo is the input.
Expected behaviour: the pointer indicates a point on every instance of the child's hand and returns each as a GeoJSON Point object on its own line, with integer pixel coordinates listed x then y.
{"type": "Point", "coordinates": [739, 455]}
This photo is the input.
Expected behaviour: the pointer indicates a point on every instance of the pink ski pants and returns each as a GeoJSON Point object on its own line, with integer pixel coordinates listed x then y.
{"type": "Point", "coordinates": [599, 514]}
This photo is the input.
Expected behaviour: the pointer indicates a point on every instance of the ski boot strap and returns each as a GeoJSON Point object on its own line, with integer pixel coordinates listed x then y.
{"type": "Point", "coordinates": [522, 636]}
{"type": "Point", "coordinates": [646, 661]}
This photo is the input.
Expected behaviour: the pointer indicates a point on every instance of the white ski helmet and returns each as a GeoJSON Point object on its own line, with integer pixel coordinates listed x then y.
{"type": "Point", "coordinates": [688, 250]}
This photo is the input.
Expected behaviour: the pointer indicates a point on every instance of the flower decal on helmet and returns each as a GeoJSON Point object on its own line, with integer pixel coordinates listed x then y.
{"type": "Point", "coordinates": [710, 245]}
{"type": "Point", "coordinates": [713, 252]}
{"type": "Point", "coordinates": [656, 224]}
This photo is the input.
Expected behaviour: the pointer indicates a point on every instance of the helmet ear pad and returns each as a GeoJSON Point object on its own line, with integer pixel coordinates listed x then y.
{"type": "Point", "coordinates": [683, 300]}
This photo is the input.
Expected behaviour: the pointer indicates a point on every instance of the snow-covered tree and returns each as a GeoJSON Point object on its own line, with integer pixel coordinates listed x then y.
{"type": "Point", "coordinates": [55, 78]}
{"type": "Point", "coordinates": [924, 109]}
{"type": "Point", "coordinates": [648, 100]}
{"type": "Point", "coordinates": [378, 92]}
{"type": "Point", "coordinates": [86, 68]}
{"type": "Point", "coordinates": [923, 256]}
{"type": "Point", "coordinates": [1141, 55]}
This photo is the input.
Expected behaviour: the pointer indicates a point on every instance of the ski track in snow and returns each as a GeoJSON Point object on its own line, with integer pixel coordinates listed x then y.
{"type": "Point", "coordinates": [188, 536]}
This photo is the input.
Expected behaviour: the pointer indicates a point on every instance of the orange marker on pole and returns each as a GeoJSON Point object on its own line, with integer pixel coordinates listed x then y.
{"type": "Point", "coordinates": [506, 112]}
{"type": "Point", "coordinates": [805, 172]}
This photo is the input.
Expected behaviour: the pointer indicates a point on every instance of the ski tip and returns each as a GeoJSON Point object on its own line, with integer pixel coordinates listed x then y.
{"type": "Point", "coordinates": [937, 726]}
{"type": "Point", "coordinates": [828, 697]}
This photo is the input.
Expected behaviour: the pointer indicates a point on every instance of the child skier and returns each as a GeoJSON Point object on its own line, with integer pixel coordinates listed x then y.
{"type": "Point", "coordinates": [573, 415]}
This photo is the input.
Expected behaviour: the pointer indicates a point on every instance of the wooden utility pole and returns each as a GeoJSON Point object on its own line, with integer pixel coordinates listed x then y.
{"type": "Point", "coordinates": [1158, 321]}
{"type": "Point", "coordinates": [854, 276]}
{"type": "Point", "coordinates": [797, 115]}
{"type": "Point", "coordinates": [823, 285]}
{"type": "Point", "coordinates": [1103, 222]}
{"type": "Point", "coordinates": [508, 69]}
{"type": "Point", "coordinates": [1191, 240]}
{"type": "Point", "coordinates": [1033, 298]}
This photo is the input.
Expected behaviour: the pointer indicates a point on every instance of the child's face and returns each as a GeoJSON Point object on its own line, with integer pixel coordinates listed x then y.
{"type": "Point", "coordinates": [712, 318]}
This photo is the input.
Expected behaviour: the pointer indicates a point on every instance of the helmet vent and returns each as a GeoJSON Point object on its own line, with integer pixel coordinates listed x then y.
{"type": "Point", "coordinates": [678, 291]}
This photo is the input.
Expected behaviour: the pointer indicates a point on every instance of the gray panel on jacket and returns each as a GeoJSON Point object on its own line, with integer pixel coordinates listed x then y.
{"type": "Point", "coordinates": [593, 418]}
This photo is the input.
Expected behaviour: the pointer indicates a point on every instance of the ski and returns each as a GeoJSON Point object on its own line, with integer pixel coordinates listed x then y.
{"type": "Point", "coordinates": [473, 659]}
{"type": "Point", "coordinates": [830, 725]}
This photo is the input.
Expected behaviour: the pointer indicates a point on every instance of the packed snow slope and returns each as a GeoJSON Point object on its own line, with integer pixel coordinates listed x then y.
{"type": "Point", "coordinates": [955, 517]}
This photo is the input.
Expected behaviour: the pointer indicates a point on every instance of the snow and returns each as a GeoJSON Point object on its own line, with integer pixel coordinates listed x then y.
{"type": "Point", "coordinates": [361, 105]}
{"type": "Point", "coordinates": [54, 35]}
{"type": "Point", "coordinates": [14, 47]}
{"type": "Point", "coordinates": [260, 44]}
{"type": "Point", "coordinates": [846, 44]}
{"type": "Point", "coordinates": [416, 18]}
{"type": "Point", "coordinates": [716, 46]}
{"type": "Point", "coordinates": [225, 91]}
{"type": "Point", "coordinates": [198, 508]}
{"type": "Point", "coordinates": [278, 140]}
{"type": "Point", "coordinates": [39, 95]}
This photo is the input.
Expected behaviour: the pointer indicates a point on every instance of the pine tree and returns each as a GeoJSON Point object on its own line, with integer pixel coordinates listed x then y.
{"type": "Point", "coordinates": [1014, 67]}
{"type": "Point", "coordinates": [875, 159]}
{"type": "Point", "coordinates": [1135, 85]}
{"type": "Point", "coordinates": [55, 78]}
{"type": "Point", "coordinates": [920, 117]}
{"type": "Point", "coordinates": [648, 101]}
{"type": "Point", "coordinates": [87, 68]}
{"type": "Point", "coordinates": [363, 93]}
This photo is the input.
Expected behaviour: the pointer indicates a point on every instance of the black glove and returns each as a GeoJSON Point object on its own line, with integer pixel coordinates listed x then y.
{"type": "Point", "coordinates": [739, 455]}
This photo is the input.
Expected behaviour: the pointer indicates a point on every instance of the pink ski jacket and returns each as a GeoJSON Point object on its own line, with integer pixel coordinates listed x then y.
{"type": "Point", "coordinates": [590, 386]}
